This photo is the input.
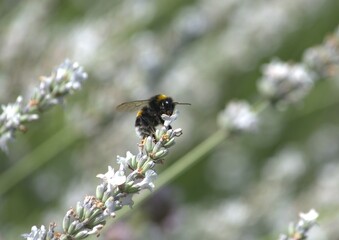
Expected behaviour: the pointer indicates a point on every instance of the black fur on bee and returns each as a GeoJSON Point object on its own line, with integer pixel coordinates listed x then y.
{"type": "Point", "coordinates": [149, 116]}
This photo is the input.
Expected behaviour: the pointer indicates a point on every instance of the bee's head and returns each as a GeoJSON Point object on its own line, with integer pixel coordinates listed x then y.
{"type": "Point", "coordinates": [167, 106]}
{"type": "Point", "coordinates": [163, 104]}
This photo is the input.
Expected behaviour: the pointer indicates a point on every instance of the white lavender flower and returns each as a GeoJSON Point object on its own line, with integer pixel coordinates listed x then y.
{"type": "Point", "coordinates": [113, 179]}
{"type": "Point", "coordinates": [285, 83]}
{"type": "Point", "coordinates": [238, 116]}
{"type": "Point", "coordinates": [324, 59]}
{"type": "Point", "coordinates": [52, 90]}
{"type": "Point", "coordinates": [116, 189]}
{"type": "Point", "coordinates": [35, 233]}
{"type": "Point", "coordinates": [306, 221]}
{"type": "Point", "coordinates": [65, 79]}
{"type": "Point", "coordinates": [40, 233]}
{"type": "Point", "coordinates": [309, 217]}
{"type": "Point", "coordinates": [11, 119]}
{"type": "Point", "coordinates": [147, 182]}
{"type": "Point", "coordinates": [11, 114]}
{"type": "Point", "coordinates": [72, 73]}
{"type": "Point", "coordinates": [125, 161]}
{"type": "Point", "coordinates": [169, 119]}
{"type": "Point", "coordinates": [300, 230]}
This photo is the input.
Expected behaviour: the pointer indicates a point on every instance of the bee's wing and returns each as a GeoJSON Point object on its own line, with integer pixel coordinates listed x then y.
{"type": "Point", "coordinates": [132, 106]}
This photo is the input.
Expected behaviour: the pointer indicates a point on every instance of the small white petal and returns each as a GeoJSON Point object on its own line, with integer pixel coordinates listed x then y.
{"type": "Point", "coordinates": [75, 65]}
{"type": "Point", "coordinates": [169, 119]}
{"type": "Point", "coordinates": [19, 99]}
{"type": "Point", "coordinates": [124, 161]}
{"type": "Point", "coordinates": [147, 182]}
{"type": "Point", "coordinates": [106, 176]}
{"type": "Point", "coordinates": [127, 200]}
{"type": "Point", "coordinates": [118, 179]}
{"type": "Point", "coordinates": [310, 216]}
{"type": "Point", "coordinates": [238, 116]}
{"type": "Point", "coordinates": [60, 74]}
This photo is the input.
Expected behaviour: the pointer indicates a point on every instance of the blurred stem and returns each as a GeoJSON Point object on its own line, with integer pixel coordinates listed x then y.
{"type": "Point", "coordinates": [261, 105]}
{"type": "Point", "coordinates": [191, 158]}
{"type": "Point", "coordinates": [38, 157]}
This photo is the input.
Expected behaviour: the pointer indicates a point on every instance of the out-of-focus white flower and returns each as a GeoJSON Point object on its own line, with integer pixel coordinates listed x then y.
{"type": "Point", "coordinates": [36, 233]}
{"type": "Point", "coordinates": [300, 230]}
{"type": "Point", "coordinates": [64, 80]}
{"type": "Point", "coordinates": [74, 74]}
{"type": "Point", "coordinates": [238, 116]}
{"type": "Point", "coordinates": [283, 82]}
{"type": "Point", "coordinates": [310, 216]}
{"type": "Point", "coordinates": [11, 113]}
{"type": "Point", "coordinates": [324, 59]}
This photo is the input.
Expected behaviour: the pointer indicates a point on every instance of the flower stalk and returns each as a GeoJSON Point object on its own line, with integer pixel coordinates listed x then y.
{"type": "Point", "coordinates": [116, 190]}
{"type": "Point", "coordinates": [64, 80]}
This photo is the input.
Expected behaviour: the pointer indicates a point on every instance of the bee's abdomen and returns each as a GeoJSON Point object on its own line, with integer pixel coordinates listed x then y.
{"type": "Point", "coordinates": [146, 122]}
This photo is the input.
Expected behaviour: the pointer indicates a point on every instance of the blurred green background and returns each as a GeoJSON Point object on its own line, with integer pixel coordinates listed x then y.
{"type": "Point", "coordinates": [204, 52]}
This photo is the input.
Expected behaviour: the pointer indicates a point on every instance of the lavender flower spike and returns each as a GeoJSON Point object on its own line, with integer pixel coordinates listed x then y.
{"type": "Point", "coordinates": [64, 80]}
{"type": "Point", "coordinates": [116, 189]}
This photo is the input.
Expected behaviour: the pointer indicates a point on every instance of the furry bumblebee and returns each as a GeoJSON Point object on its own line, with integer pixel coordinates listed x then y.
{"type": "Point", "coordinates": [150, 111]}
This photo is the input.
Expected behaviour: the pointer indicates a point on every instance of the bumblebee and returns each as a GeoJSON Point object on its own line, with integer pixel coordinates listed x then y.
{"type": "Point", "coordinates": [150, 111]}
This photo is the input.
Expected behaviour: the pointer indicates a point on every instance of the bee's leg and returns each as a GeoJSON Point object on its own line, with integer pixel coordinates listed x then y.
{"type": "Point", "coordinates": [169, 127]}
{"type": "Point", "coordinates": [141, 144]}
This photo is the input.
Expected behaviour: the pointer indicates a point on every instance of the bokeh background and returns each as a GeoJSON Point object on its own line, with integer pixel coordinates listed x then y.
{"type": "Point", "coordinates": [204, 52]}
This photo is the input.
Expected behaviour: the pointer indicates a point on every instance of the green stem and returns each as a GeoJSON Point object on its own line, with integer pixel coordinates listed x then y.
{"type": "Point", "coordinates": [191, 158]}
{"type": "Point", "coordinates": [41, 155]}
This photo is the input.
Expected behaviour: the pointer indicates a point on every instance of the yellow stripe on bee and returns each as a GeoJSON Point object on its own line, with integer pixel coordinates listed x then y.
{"type": "Point", "coordinates": [139, 113]}
{"type": "Point", "coordinates": [161, 97]}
